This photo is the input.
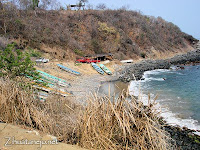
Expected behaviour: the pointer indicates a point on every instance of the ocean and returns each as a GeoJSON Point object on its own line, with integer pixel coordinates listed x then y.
{"type": "Point", "coordinates": [178, 94]}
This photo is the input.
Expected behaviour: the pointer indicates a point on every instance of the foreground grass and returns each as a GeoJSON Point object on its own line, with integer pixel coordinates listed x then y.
{"type": "Point", "coordinates": [104, 123]}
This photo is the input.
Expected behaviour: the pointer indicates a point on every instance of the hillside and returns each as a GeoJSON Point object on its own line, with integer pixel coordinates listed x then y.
{"type": "Point", "coordinates": [67, 34]}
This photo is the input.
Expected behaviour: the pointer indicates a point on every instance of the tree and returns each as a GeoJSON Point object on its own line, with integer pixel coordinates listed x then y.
{"type": "Point", "coordinates": [90, 6]}
{"type": "Point", "coordinates": [101, 6]}
{"type": "Point", "coordinates": [49, 4]}
{"type": "Point", "coordinates": [82, 3]}
{"type": "Point", "coordinates": [13, 62]}
{"type": "Point", "coordinates": [1, 6]}
{"type": "Point", "coordinates": [24, 4]}
{"type": "Point", "coordinates": [35, 3]}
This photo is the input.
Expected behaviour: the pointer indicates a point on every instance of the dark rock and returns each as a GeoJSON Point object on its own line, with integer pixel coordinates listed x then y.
{"type": "Point", "coordinates": [135, 71]}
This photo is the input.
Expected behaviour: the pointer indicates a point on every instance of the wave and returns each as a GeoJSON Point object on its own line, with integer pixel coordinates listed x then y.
{"type": "Point", "coordinates": [136, 88]}
{"type": "Point", "coordinates": [173, 119]}
{"type": "Point", "coordinates": [159, 71]}
{"type": "Point", "coordinates": [154, 79]}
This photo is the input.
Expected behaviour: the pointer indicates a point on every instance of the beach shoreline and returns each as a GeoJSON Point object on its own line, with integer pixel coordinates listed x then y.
{"type": "Point", "coordinates": [135, 71]}
{"type": "Point", "coordinates": [184, 137]}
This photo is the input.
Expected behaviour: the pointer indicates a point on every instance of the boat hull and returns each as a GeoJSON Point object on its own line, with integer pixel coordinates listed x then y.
{"type": "Point", "coordinates": [97, 68]}
{"type": "Point", "coordinates": [68, 69]}
{"type": "Point", "coordinates": [105, 69]}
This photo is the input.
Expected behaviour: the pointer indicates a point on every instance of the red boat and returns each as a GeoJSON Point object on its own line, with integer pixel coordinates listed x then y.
{"type": "Point", "coordinates": [87, 60]}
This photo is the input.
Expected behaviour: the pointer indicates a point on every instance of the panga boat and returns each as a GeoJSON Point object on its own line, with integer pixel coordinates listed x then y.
{"type": "Point", "coordinates": [105, 69]}
{"type": "Point", "coordinates": [97, 68]}
{"type": "Point", "coordinates": [52, 79]}
{"type": "Point", "coordinates": [68, 69]}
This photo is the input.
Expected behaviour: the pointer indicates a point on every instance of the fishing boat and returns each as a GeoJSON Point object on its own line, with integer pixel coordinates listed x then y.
{"type": "Point", "coordinates": [97, 68]}
{"type": "Point", "coordinates": [52, 90]}
{"type": "Point", "coordinates": [68, 69]}
{"type": "Point", "coordinates": [49, 78]}
{"type": "Point", "coordinates": [105, 69]}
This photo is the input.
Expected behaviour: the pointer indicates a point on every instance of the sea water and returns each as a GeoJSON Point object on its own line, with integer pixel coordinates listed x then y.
{"type": "Point", "coordinates": [178, 94]}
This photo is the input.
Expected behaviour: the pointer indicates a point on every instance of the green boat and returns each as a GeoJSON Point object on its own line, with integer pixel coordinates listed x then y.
{"type": "Point", "coordinates": [105, 69]}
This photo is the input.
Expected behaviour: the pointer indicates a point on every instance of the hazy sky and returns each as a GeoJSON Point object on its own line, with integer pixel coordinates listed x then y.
{"type": "Point", "coordinates": [184, 13]}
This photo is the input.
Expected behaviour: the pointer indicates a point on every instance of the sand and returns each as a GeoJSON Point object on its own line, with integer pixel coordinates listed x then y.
{"type": "Point", "coordinates": [17, 133]}
{"type": "Point", "coordinates": [81, 86]}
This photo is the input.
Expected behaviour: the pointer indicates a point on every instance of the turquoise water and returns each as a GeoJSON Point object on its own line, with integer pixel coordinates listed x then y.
{"type": "Point", "coordinates": [178, 94]}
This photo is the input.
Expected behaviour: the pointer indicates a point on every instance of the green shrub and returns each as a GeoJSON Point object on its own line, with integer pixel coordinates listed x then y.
{"type": "Point", "coordinates": [34, 53]}
{"type": "Point", "coordinates": [13, 62]}
{"type": "Point", "coordinates": [96, 46]}
{"type": "Point", "coordinates": [104, 28]}
{"type": "Point", "coordinates": [78, 52]}
{"type": "Point", "coordinates": [143, 55]}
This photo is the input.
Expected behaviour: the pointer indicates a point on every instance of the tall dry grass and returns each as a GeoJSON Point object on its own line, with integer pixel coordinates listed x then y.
{"type": "Point", "coordinates": [120, 123]}
{"type": "Point", "coordinates": [104, 123]}
{"type": "Point", "coordinates": [19, 106]}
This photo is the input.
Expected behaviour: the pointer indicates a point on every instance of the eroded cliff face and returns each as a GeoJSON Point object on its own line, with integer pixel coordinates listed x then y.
{"type": "Point", "coordinates": [68, 34]}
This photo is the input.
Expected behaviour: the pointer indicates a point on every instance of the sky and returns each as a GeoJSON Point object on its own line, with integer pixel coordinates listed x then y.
{"type": "Point", "coordinates": [183, 13]}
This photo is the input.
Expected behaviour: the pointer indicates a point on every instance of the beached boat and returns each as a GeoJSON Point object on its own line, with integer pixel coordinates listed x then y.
{"type": "Point", "coordinates": [68, 69]}
{"type": "Point", "coordinates": [127, 61]}
{"type": "Point", "coordinates": [105, 69]}
{"type": "Point", "coordinates": [52, 90]}
{"type": "Point", "coordinates": [97, 68]}
{"type": "Point", "coordinates": [49, 78]}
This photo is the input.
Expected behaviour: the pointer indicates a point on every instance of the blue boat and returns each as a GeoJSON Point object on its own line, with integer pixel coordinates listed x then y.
{"type": "Point", "coordinates": [105, 69]}
{"type": "Point", "coordinates": [68, 69]}
{"type": "Point", "coordinates": [97, 68]}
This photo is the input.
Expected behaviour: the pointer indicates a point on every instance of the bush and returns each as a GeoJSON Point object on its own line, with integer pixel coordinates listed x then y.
{"type": "Point", "coordinates": [104, 28]}
{"type": "Point", "coordinates": [34, 53]}
{"type": "Point", "coordinates": [78, 52]}
{"type": "Point", "coordinates": [143, 55]}
{"type": "Point", "coordinates": [96, 46]}
{"type": "Point", "coordinates": [13, 62]}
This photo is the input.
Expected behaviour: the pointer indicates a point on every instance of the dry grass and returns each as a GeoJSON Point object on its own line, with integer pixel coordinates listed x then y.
{"type": "Point", "coordinates": [17, 107]}
{"type": "Point", "coordinates": [62, 33]}
{"type": "Point", "coordinates": [56, 116]}
{"type": "Point", "coordinates": [104, 123]}
{"type": "Point", "coordinates": [120, 123]}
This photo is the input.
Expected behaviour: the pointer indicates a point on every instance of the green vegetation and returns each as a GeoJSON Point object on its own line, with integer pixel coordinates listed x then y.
{"type": "Point", "coordinates": [195, 138]}
{"type": "Point", "coordinates": [78, 52]}
{"type": "Point", "coordinates": [34, 53]}
{"type": "Point", "coordinates": [143, 54]}
{"type": "Point", "coordinates": [103, 27]}
{"type": "Point", "coordinates": [35, 3]}
{"type": "Point", "coordinates": [96, 46]}
{"type": "Point", "coordinates": [14, 62]}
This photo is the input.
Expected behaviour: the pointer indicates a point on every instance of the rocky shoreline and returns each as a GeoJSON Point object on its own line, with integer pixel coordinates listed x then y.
{"type": "Point", "coordinates": [183, 138]}
{"type": "Point", "coordinates": [136, 71]}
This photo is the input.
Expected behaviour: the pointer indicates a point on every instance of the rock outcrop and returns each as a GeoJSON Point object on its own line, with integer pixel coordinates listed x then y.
{"type": "Point", "coordinates": [135, 71]}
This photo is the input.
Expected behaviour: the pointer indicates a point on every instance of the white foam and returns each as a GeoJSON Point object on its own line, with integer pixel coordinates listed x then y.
{"type": "Point", "coordinates": [171, 118]}
{"type": "Point", "coordinates": [154, 79]}
{"type": "Point", "coordinates": [159, 71]}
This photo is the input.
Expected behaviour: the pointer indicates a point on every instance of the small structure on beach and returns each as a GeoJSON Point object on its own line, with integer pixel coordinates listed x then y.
{"type": "Point", "coordinates": [127, 61]}
{"type": "Point", "coordinates": [101, 57]}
